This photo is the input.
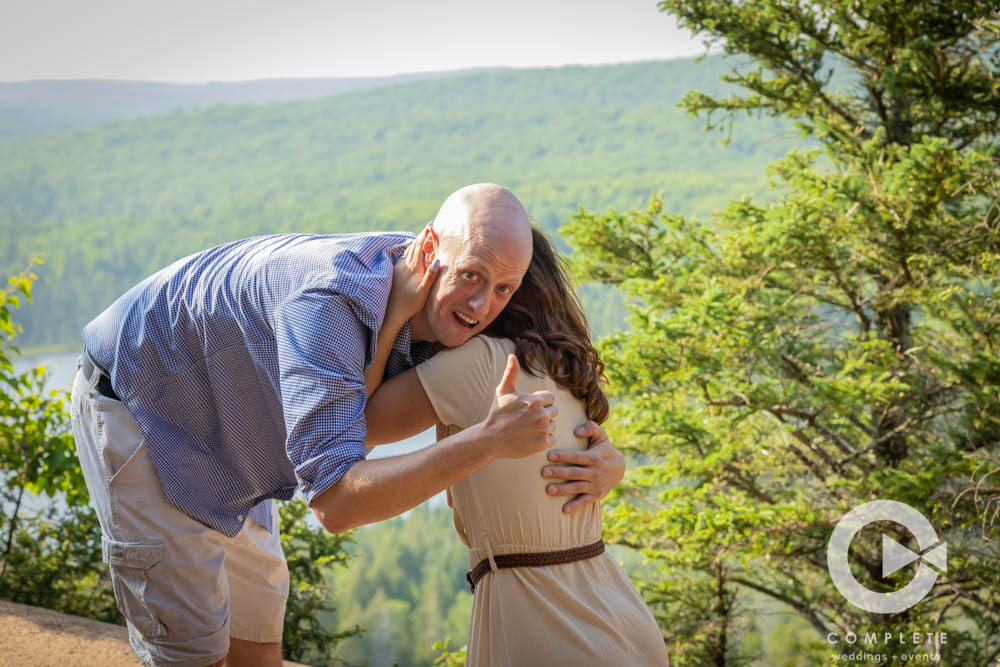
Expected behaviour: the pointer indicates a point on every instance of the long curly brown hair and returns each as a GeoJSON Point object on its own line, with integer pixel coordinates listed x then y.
{"type": "Point", "coordinates": [545, 320]}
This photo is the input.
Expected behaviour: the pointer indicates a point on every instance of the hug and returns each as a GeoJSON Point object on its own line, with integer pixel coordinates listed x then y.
{"type": "Point", "coordinates": [244, 373]}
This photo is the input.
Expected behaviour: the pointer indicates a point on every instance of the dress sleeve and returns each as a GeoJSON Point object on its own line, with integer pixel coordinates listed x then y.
{"type": "Point", "coordinates": [321, 356]}
{"type": "Point", "coordinates": [460, 382]}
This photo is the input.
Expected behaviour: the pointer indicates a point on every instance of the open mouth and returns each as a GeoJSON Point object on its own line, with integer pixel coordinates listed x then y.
{"type": "Point", "coordinates": [465, 320]}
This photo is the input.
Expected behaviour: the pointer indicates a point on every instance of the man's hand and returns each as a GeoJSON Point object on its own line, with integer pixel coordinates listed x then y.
{"type": "Point", "coordinates": [521, 424]}
{"type": "Point", "coordinates": [590, 474]}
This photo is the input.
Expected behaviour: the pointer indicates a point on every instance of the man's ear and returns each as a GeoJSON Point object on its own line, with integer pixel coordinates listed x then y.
{"type": "Point", "coordinates": [429, 244]}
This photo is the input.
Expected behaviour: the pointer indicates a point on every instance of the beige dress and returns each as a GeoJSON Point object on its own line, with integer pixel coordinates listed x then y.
{"type": "Point", "coordinates": [581, 613]}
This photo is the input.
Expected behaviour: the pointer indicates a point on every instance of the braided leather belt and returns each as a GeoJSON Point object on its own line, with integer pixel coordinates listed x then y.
{"type": "Point", "coordinates": [534, 560]}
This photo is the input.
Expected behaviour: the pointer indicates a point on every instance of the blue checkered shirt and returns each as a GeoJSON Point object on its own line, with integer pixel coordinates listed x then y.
{"type": "Point", "coordinates": [244, 367]}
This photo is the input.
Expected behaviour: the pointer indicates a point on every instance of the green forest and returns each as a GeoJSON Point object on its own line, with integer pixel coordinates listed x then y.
{"type": "Point", "coordinates": [107, 206]}
{"type": "Point", "coordinates": [798, 314]}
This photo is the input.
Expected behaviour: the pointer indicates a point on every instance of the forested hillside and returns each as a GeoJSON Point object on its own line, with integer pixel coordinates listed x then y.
{"type": "Point", "coordinates": [109, 205]}
{"type": "Point", "coordinates": [36, 107]}
{"type": "Point", "coordinates": [405, 585]}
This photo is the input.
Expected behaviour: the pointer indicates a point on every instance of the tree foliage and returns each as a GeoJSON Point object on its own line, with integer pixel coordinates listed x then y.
{"type": "Point", "coordinates": [789, 360]}
{"type": "Point", "coordinates": [311, 554]}
{"type": "Point", "coordinates": [406, 586]}
{"type": "Point", "coordinates": [50, 555]}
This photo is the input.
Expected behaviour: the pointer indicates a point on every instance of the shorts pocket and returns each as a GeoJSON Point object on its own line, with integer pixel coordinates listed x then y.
{"type": "Point", "coordinates": [129, 562]}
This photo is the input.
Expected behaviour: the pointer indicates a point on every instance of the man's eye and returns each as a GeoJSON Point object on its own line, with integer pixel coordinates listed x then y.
{"type": "Point", "coordinates": [469, 275]}
{"type": "Point", "coordinates": [504, 289]}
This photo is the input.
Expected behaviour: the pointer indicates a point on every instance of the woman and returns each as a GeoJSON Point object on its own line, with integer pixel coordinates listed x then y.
{"type": "Point", "coordinates": [568, 602]}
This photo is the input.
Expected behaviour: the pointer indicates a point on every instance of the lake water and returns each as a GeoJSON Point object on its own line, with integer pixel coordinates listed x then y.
{"type": "Point", "coordinates": [62, 369]}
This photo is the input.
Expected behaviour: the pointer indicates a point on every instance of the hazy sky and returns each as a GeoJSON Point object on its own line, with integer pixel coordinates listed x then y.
{"type": "Point", "coordinates": [203, 40]}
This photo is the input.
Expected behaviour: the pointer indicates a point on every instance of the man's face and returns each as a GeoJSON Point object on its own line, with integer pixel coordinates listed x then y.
{"type": "Point", "coordinates": [478, 281]}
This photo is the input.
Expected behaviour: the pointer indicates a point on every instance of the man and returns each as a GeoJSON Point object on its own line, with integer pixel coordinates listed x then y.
{"type": "Point", "coordinates": [236, 375]}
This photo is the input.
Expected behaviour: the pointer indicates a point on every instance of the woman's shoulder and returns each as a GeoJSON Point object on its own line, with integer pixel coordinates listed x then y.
{"type": "Point", "coordinates": [505, 345]}
{"type": "Point", "coordinates": [480, 346]}
{"type": "Point", "coordinates": [479, 356]}
{"type": "Point", "coordinates": [498, 349]}
{"type": "Point", "coordinates": [460, 381]}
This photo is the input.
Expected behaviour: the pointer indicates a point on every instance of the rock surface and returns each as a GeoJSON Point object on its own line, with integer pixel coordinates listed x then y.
{"type": "Point", "coordinates": [36, 637]}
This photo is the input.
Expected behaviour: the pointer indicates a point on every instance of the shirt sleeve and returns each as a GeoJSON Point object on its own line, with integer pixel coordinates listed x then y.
{"type": "Point", "coordinates": [460, 382]}
{"type": "Point", "coordinates": [321, 356]}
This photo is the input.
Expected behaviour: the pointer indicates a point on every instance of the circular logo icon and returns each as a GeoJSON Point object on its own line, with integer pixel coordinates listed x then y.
{"type": "Point", "coordinates": [894, 556]}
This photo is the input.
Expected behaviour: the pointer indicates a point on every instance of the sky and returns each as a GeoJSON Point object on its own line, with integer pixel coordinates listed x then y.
{"type": "Point", "coordinates": [232, 40]}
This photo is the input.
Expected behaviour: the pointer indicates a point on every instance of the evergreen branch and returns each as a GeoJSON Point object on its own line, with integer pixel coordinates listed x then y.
{"type": "Point", "coordinates": [805, 459]}
{"type": "Point", "coordinates": [791, 602]}
{"type": "Point", "coordinates": [748, 485]}
{"type": "Point", "coordinates": [864, 321]}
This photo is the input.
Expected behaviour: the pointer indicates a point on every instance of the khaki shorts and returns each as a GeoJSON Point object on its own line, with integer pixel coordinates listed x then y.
{"type": "Point", "coordinates": [183, 587]}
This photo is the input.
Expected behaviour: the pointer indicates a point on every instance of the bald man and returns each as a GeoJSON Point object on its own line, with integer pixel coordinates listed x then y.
{"type": "Point", "coordinates": [236, 376]}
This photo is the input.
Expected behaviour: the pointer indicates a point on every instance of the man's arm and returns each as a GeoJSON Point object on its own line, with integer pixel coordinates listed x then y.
{"type": "Point", "coordinates": [370, 491]}
{"type": "Point", "coordinates": [377, 489]}
{"type": "Point", "coordinates": [398, 409]}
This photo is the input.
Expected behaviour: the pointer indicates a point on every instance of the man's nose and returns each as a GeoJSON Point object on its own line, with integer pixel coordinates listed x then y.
{"type": "Point", "coordinates": [480, 302]}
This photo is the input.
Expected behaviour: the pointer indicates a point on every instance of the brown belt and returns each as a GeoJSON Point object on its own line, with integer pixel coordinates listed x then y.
{"type": "Point", "coordinates": [534, 560]}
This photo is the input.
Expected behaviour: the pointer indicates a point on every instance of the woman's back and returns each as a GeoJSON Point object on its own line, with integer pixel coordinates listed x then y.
{"type": "Point", "coordinates": [506, 500]}
{"type": "Point", "coordinates": [583, 612]}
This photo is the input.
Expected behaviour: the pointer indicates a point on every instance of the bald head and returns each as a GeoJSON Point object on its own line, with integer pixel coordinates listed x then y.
{"type": "Point", "coordinates": [482, 238]}
{"type": "Point", "coordinates": [484, 213]}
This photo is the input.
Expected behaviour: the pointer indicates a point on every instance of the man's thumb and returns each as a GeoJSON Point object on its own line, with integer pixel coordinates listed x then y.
{"type": "Point", "coordinates": [508, 385]}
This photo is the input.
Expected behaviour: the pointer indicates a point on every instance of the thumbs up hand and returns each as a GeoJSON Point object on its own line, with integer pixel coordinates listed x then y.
{"type": "Point", "coordinates": [508, 383]}
{"type": "Point", "coordinates": [520, 424]}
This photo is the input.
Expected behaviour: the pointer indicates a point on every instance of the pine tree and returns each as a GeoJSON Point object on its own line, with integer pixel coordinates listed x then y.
{"type": "Point", "coordinates": [791, 359]}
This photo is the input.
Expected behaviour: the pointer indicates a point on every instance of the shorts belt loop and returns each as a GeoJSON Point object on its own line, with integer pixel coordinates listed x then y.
{"type": "Point", "coordinates": [102, 383]}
